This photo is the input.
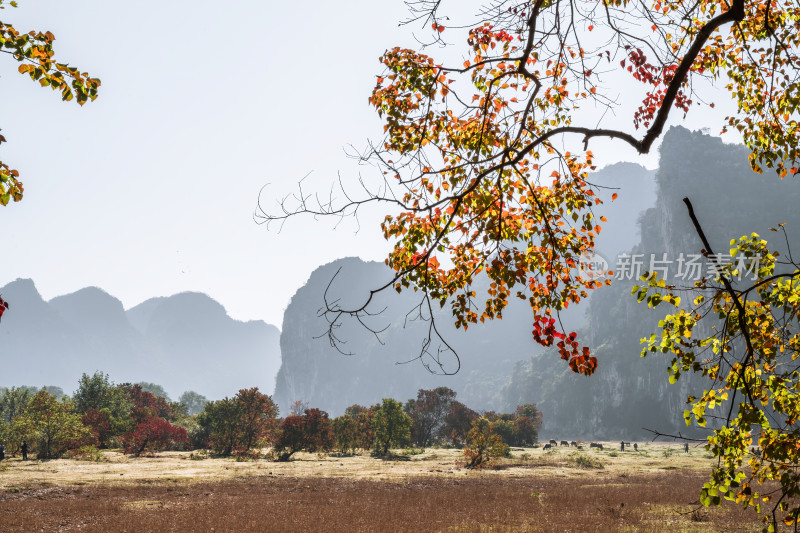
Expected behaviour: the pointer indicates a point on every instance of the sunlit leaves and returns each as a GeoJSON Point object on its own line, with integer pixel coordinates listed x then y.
{"type": "Point", "coordinates": [479, 199]}
{"type": "Point", "coordinates": [34, 51]}
{"type": "Point", "coordinates": [484, 190]}
{"type": "Point", "coordinates": [10, 186]}
{"type": "Point", "coordinates": [748, 354]}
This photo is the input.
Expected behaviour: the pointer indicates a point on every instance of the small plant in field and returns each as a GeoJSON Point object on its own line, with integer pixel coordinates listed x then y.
{"type": "Point", "coordinates": [251, 454]}
{"type": "Point", "coordinates": [551, 451]}
{"type": "Point", "coordinates": [199, 455]}
{"type": "Point", "coordinates": [525, 456]}
{"type": "Point", "coordinates": [86, 453]}
{"type": "Point", "coordinates": [483, 445]}
{"type": "Point", "coordinates": [584, 461]}
{"type": "Point", "coordinates": [667, 452]}
{"type": "Point", "coordinates": [413, 451]}
{"type": "Point", "coordinates": [613, 454]}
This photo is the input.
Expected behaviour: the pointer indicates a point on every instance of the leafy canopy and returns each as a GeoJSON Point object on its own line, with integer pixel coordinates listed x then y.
{"type": "Point", "coordinates": [750, 357]}
{"type": "Point", "coordinates": [485, 163]}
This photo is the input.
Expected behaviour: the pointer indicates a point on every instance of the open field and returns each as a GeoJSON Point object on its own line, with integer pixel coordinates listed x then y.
{"type": "Point", "coordinates": [653, 490]}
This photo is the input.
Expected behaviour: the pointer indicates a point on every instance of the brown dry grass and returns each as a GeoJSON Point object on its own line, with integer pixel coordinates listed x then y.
{"type": "Point", "coordinates": [532, 492]}
{"type": "Point", "coordinates": [167, 466]}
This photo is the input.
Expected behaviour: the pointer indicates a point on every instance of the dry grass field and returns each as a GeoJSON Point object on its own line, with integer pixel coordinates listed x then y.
{"type": "Point", "coordinates": [654, 490]}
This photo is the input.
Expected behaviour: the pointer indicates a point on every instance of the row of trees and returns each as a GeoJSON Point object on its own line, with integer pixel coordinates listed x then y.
{"type": "Point", "coordinates": [99, 414]}
{"type": "Point", "coordinates": [134, 418]}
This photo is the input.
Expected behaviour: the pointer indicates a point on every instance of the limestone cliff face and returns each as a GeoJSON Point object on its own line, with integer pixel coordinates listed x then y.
{"type": "Point", "coordinates": [628, 393]}
{"type": "Point", "coordinates": [383, 365]}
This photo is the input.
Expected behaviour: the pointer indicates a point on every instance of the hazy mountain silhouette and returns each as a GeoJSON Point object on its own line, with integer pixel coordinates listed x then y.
{"type": "Point", "coordinates": [193, 331]}
{"type": "Point", "coordinates": [182, 342]}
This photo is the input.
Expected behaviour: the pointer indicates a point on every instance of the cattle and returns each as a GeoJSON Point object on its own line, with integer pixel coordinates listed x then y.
{"type": "Point", "coordinates": [635, 446]}
{"type": "Point", "coordinates": [547, 447]}
{"type": "Point", "coordinates": [596, 445]}
{"type": "Point", "coordinates": [564, 443]}
{"type": "Point", "coordinates": [580, 447]}
{"type": "Point", "coordinates": [553, 442]}
{"type": "Point", "coordinates": [573, 443]}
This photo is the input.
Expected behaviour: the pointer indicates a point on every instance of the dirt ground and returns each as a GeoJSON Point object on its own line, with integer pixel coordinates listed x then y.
{"type": "Point", "coordinates": [655, 489]}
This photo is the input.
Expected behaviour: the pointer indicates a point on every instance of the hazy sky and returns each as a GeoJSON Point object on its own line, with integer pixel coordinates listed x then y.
{"type": "Point", "coordinates": [150, 190]}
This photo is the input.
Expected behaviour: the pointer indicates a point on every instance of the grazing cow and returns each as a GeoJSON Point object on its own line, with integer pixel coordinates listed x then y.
{"type": "Point", "coordinates": [564, 443]}
{"type": "Point", "coordinates": [573, 443]}
{"type": "Point", "coordinates": [635, 446]}
{"type": "Point", "coordinates": [596, 445]}
{"type": "Point", "coordinates": [546, 447]}
{"type": "Point", "coordinates": [580, 447]}
{"type": "Point", "coordinates": [553, 442]}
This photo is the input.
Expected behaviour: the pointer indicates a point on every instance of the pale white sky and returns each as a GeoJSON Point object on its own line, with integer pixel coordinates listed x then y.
{"type": "Point", "coordinates": [150, 190]}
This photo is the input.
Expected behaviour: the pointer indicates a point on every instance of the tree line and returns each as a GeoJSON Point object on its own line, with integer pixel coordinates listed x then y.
{"type": "Point", "coordinates": [140, 419]}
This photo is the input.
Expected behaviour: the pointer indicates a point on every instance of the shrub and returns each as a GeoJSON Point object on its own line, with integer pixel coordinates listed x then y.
{"type": "Point", "coordinates": [153, 435]}
{"type": "Point", "coordinates": [483, 445]}
{"type": "Point", "coordinates": [584, 461]}
{"type": "Point", "coordinates": [86, 453]}
{"type": "Point", "coordinates": [198, 455]}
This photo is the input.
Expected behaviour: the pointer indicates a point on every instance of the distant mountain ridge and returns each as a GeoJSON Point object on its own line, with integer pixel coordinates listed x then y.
{"type": "Point", "coordinates": [183, 342]}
